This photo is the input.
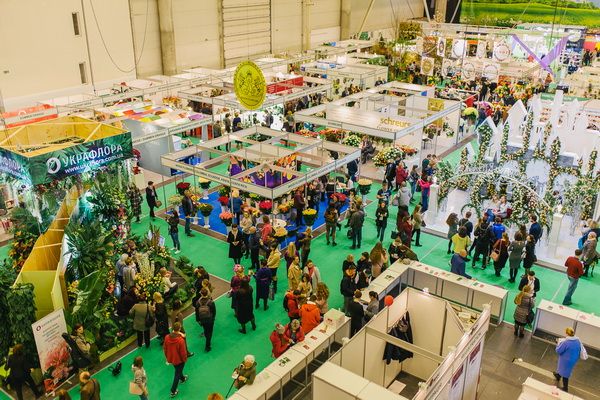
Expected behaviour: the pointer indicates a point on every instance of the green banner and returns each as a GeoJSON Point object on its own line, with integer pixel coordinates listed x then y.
{"type": "Point", "coordinates": [80, 158]}
{"type": "Point", "coordinates": [73, 160]}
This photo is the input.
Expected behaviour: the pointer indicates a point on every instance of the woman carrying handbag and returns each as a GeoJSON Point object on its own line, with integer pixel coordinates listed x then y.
{"type": "Point", "coordinates": [500, 253]}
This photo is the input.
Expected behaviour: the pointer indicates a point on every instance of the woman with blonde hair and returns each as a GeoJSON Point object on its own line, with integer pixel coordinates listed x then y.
{"type": "Point", "coordinates": [290, 254]}
{"type": "Point", "coordinates": [417, 220]}
{"type": "Point", "coordinates": [161, 315]}
{"type": "Point", "coordinates": [378, 257]}
{"type": "Point", "coordinates": [294, 274]}
{"type": "Point", "coordinates": [525, 304]}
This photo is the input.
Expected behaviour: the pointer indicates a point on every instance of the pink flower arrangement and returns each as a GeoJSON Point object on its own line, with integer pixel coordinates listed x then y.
{"type": "Point", "coordinates": [265, 206]}
{"type": "Point", "coordinates": [57, 361]}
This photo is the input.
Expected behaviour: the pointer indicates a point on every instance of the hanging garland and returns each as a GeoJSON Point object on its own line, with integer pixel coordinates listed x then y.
{"type": "Point", "coordinates": [462, 182]}
{"type": "Point", "coordinates": [485, 134]}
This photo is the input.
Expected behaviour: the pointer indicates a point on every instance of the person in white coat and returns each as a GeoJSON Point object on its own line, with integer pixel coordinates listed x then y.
{"type": "Point", "coordinates": [313, 272]}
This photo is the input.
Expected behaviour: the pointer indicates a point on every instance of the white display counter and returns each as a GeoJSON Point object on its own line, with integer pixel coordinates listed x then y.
{"type": "Point", "coordinates": [536, 390]}
{"type": "Point", "coordinates": [469, 292]}
{"type": "Point", "coordinates": [296, 359]}
{"type": "Point", "coordinates": [554, 318]}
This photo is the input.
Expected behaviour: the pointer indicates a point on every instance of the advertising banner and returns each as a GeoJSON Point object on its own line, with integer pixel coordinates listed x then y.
{"type": "Point", "coordinates": [14, 165]}
{"type": "Point", "coordinates": [51, 347]}
{"type": "Point", "coordinates": [80, 158]}
{"type": "Point", "coordinates": [28, 115]}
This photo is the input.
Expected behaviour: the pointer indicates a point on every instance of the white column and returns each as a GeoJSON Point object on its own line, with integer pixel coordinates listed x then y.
{"type": "Point", "coordinates": [597, 209]}
{"type": "Point", "coordinates": [432, 211]}
{"type": "Point", "coordinates": [554, 233]}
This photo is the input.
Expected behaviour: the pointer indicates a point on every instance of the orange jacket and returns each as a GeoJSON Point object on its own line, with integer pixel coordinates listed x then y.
{"type": "Point", "coordinates": [310, 316]}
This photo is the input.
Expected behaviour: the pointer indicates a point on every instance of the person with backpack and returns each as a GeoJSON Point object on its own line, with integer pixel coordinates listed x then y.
{"type": "Point", "coordinates": [263, 279]}
{"type": "Point", "coordinates": [466, 222]}
{"type": "Point", "coordinates": [483, 240]}
{"type": "Point", "coordinates": [206, 313]}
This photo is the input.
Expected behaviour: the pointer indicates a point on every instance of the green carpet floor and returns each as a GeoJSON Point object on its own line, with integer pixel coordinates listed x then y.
{"type": "Point", "coordinates": [211, 372]}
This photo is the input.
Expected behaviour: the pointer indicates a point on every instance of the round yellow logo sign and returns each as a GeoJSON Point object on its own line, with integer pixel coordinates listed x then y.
{"type": "Point", "coordinates": [249, 84]}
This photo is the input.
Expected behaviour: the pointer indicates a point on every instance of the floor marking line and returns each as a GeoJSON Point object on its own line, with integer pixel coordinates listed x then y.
{"type": "Point", "coordinates": [562, 283]}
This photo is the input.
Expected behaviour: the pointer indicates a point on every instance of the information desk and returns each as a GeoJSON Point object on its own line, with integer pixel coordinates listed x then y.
{"type": "Point", "coordinates": [468, 292]}
{"type": "Point", "coordinates": [536, 390]}
{"type": "Point", "coordinates": [282, 370]}
{"type": "Point", "coordinates": [553, 318]}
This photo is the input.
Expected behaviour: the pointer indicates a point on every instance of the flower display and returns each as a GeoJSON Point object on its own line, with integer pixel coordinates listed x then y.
{"type": "Point", "coordinates": [226, 217]}
{"type": "Point", "coordinates": [223, 200]}
{"type": "Point", "coordinates": [332, 135]}
{"type": "Point", "coordinates": [205, 209]}
{"type": "Point", "coordinates": [307, 133]}
{"type": "Point", "coordinates": [470, 113]}
{"type": "Point", "coordinates": [338, 196]}
{"type": "Point", "coordinates": [174, 201]}
{"type": "Point", "coordinates": [409, 151]}
{"type": "Point", "coordinates": [265, 206]}
{"type": "Point", "coordinates": [284, 208]}
{"type": "Point", "coordinates": [386, 155]}
{"type": "Point", "coordinates": [280, 234]}
{"type": "Point", "coordinates": [353, 139]}
{"type": "Point", "coordinates": [310, 215]}
{"type": "Point", "coordinates": [182, 187]}
{"type": "Point", "coordinates": [149, 286]}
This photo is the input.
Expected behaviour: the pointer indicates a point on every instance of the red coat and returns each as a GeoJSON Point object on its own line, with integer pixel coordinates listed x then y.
{"type": "Point", "coordinates": [299, 333]}
{"type": "Point", "coordinates": [292, 305]}
{"type": "Point", "coordinates": [401, 174]}
{"type": "Point", "coordinates": [310, 316]}
{"type": "Point", "coordinates": [175, 349]}
{"type": "Point", "coordinates": [280, 344]}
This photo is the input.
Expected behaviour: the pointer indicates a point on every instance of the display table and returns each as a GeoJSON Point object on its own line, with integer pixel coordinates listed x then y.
{"type": "Point", "coordinates": [536, 390]}
{"type": "Point", "coordinates": [282, 370]}
{"type": "Point", "coordinates": [471, 293]}
{"type": "Point", "coordinates": [375, 287]}
{"type": "Point", "coordinates": [348, 385]}
{"type": "Point", "coordinates": [553, 318]}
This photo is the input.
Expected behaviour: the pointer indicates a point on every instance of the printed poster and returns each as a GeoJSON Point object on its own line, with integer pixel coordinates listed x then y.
{"type": "Point", "coordinates": [427, 64]}
{"type": "Point", "coordinates": [481, 49]}
{"type": "Point", "coordinates": [490, 72]}
{"type": "Point", "coordinates": [51, 347]}
{"type": "Point", "coordinates": [441, 47]}
{"type": "Point", "coordinates": [468, 71]}
{"type": "Point", "coordinates": [458, 48]}
{"type": "Point", "coordinates": [502, 52]}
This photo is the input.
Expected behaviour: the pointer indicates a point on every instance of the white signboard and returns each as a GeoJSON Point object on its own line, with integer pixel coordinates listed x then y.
{"type": "Point", "coordinates": [502, 52]}
{"type": "Point", "coordinates": [448, 68]}
{"type": "Point", "coordinates": [491, 71]}
{"type": "Point", "coordinates": [457, 384]}
{"type": "Point", "coordinates": [441, 47]}
{"type": "Point", "coordinates": [472, 375]}
{"type": "Point", "coordinates": [468, 71]}
{"type": "Point", "coordinates": [51, 347]}
{"type": "Point", "coordinates": [458, 48]}
{"type": "Point", "coordinates": [481, 49]}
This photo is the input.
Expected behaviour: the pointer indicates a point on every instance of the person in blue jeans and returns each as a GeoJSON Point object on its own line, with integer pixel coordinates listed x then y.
{"type": "Point", "coordinates": [381, 217]}
{"type": "Point", "coordinates": [574, 272]}
{"type": "Point", "coordinates": [173, 222]}
{"type": "Point", "coordinates": [356, 223]}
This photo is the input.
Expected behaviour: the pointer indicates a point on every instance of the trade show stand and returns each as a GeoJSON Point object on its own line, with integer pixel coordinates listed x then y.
{"type": "Point", "coordinates": [536, 390]}
{"type": "Point", "coordinates": [551, 319]}
{"type": "Point", "coordinates": [294, 363]}
{"type": "Point", "coordinates": [468, 292]}
{"type": "Point", "coordinates": [444, 355]}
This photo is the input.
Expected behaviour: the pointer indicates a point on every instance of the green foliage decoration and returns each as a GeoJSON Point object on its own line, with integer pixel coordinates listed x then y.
{"type": "Point", "coordinates": [21, 304]}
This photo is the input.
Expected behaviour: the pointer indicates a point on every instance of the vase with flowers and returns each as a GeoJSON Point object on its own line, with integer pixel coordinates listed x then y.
{"type": "Point", "coordinates": [265, 206]}
{"type": "Point", "coordinates": [182, 187]}
{"type": "Point", "coordinates": [205, 209]}
{"type": "Point", "coordinates": [224, 202]}
{"type": "Point", "coordinates": [280, 234]}
{"type": "Point", "coordinates": [204, 184]}
{"type": "Point", "coordinates": [310, 215]}
{"type": "Point", "coordinates": [364, 187]}
{"type": "Point", "coordinates": [226, 218]}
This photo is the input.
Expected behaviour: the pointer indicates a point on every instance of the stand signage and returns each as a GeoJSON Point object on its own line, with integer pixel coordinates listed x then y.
{"type": "Point", "coordinates": [51, 347]}
{"type": "Point", "coordinates": [250, 85]}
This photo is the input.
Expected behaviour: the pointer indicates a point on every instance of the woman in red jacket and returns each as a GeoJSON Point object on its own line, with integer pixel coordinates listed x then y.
{"type": "Point", "coordinates": [310, 316]}
{"type": "Point", "coordinates": [405, 230]}
{"type": "Point", "coordinates": [401, 174]}
{"type": "Point", "coordinates": [279, 341]}
{"type": "Point", "coordinates": [294, 332]}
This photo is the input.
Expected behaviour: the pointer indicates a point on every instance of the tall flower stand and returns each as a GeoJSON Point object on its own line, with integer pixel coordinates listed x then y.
{"type": "Point", "coordinates": [205, 186]}
{"type": "Point", "coordinates": [206, 216]}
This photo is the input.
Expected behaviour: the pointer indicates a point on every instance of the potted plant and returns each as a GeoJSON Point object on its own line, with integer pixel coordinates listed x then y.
{"type": "Point", "coordinates": [182, 187]}
{"type": "Point", "coordinates": [364, 186]}
{"type": "Point", "coordinates": [226, 217]}
{"type": "Point", "coordinates": [265, 206]}
{"type": "Point", "coordinates": [470, 114]}
{"type": "Point", "coordinates": [205, 209]}
{"type": "Point", "coordinates": [353, 139]}
{"type": "Point", "coordinates": [310, 215]}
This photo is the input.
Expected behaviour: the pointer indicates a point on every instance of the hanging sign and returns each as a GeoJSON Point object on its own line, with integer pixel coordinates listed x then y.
{"type": "Point", "coordinates": [249, 84]}
{"type": "Point", "coordinates": [502, 52]}
{"type": "Point", "coordinates": [490, 71]}
{"type": "Point", "coordinates": [458, 48]}
{"type": "Point", "coordinates": [481, 49]}
{"type": "Point", "coordinates": [468, 71]}
{"type": "Point", "coordinates": [427, 64]}
{"type": "Point", "coordinates": [447, 67]}
{"type": "Point", "coordinates": [441, 47]}
{"type": "Point", "coordinates": [28, 115]}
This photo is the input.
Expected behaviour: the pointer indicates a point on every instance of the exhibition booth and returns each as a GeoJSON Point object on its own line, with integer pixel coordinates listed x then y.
{"type": "Point", "coordinates": [536, 159]}
{"type": "Point", "coordinates": [343, 75]}
{"type": "Point", "coordinates": [155, 131]}
{"type": "Point", "coordinates": [536, 390]}
{"type": "Point", "coordinates": [415, 348]}
{"type": "Point", "coordinates": [261, 162]}
{"type": "Point", "coordinates": [341, 47]}
{"type": "Point", "coordinates": [405, 116]}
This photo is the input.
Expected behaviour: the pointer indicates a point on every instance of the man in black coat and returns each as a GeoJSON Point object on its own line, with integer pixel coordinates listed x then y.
{"type": "Point", "coordinates": [357, 313]}
{"type": "Point", "coordinates": [151, 198]}
{"type": "Point", "coordinates": [348, 287]}
{"type": "Point", "coordinates": [188, 211]}
{"type": "Point", "coordinates": [531, 280]}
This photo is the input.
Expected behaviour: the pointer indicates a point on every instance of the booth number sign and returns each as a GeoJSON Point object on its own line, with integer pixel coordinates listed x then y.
{"type": "Point", "coordinates": [250, 86]}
